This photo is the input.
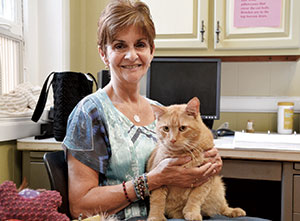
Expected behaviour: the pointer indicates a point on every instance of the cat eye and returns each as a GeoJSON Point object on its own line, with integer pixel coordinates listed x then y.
{"type": "Point", "coordinates": [182, 128]}
{"type": "Point", "coordinates": [166, 129]}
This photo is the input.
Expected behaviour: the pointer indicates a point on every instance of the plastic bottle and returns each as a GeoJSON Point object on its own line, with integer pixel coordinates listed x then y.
{"type": "Point", "coordinates": [250, 127]}
{"type": "Point", "coordinates": [285, 117]}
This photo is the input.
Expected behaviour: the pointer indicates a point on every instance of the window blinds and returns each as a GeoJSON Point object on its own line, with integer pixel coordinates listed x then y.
{"type": "Point", "coordinates": [9, 64]}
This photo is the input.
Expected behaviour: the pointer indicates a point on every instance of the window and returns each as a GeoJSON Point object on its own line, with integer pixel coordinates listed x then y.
{"type": "Point", "coordinates": [11, 44]}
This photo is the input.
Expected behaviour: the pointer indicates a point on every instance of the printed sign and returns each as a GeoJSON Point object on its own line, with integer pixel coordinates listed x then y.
{"type": "Point", "coordinates": [257, 13]}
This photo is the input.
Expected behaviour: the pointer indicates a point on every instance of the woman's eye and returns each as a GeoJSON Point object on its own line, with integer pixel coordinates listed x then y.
{"type": "Point", "coordinates": [182, 128]}
{"type": "Point", "coordinates": [140, 45]}
{"type": "Point", "coordinates": [119, 46]}
{"type": "Point", "coordinates": [166, 128]}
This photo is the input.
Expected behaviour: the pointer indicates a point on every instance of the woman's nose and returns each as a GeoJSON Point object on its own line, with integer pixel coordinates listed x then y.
{"type": "Point", "coordinates": [131, 54]}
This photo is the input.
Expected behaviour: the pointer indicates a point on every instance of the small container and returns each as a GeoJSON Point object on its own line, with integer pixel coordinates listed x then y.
{"type": "Point", "coordinates": [285, 117]}
{"type": "Point", "coordinates": [250, 127]}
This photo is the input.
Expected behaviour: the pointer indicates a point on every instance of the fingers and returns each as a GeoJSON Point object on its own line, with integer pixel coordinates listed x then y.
{"type": "Point", "coordinates": [211, 153]}
{"type": "Point", "coordinates": [175, 174]}
{"type": "Point", "coordinates": [178, 161]}
{"type": "Point", "coordinates": [206, 170]}
{"type": "Point", "coordinates": [200, 182]}
{"type": "Point", "coordinates": [205, 167]}
{"type": "Point", "coordinates": [170, 169]}
{"type": "Point", "coordinates": [219, 165]}
{"type": "Point", "coordinates": [202, 174]}
{"type": "Point", "coordinates": [211, 170]}
{"type": "Point", "coordinates": [214, 157]}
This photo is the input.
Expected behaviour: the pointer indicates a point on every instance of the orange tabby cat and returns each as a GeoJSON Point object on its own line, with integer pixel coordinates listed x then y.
{"type": "Point", "coordinates": [181, 132]}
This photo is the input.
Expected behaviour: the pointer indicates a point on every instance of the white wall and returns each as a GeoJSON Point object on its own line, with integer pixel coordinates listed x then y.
{"type": "Point", "coordinates": [47, 38]}
{"type": "Point", "coordinates": [46, 49]}
{"type": "Point", "coordinates": [259, 86]}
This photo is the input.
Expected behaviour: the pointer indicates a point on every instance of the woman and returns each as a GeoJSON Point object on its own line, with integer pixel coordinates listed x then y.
{"type": "Point", "coordinates": [110, 133]}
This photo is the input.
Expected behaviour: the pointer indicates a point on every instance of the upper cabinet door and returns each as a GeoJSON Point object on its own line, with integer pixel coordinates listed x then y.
{"type": "Point", "coordinates": [256, 24]}
{"type": "Point", "coordinates": [180, 24]}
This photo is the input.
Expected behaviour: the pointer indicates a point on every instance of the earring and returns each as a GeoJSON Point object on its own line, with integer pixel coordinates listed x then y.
{"type": "Point", "coordinates": [106, 67]}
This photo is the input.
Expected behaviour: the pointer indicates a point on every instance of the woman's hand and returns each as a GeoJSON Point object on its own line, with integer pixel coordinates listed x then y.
{"type": "Point", "coordinates": [171, 171]}
{"type": "Point", "coordinates": [214, 157]}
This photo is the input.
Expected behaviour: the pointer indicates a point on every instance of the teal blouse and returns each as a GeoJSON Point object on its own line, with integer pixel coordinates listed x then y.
{"type": "Point", "coordinates": [101, 137]}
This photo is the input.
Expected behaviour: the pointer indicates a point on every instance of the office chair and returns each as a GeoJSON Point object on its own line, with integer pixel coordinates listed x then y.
{"type": "Point", "coordinates": [57, 169]}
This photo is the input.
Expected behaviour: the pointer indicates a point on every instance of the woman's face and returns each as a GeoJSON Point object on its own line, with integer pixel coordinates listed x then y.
{"type": "Point", "coordinates": [128, 56]}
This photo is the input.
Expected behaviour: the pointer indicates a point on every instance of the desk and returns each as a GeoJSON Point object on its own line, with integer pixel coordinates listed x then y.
{"type": "Point", "coordinates": [280, 166]}
{"type": "Point", "coordinates": [270, 165]}
{"type": "Point", "coordinates": [33, 167]}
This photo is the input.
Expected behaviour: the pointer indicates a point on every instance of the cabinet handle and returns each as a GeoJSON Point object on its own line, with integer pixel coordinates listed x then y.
{"type": "Point", "coordinates": [218, 32]}
{"type": "Point", "coordinates": [202, 31]}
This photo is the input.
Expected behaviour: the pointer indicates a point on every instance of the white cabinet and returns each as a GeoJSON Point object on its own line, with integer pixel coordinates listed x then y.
{"type": "Point", "coordinates": [256, 24]}
{"type": "Point", "coordinates": [226, 24]}
{"type": "Point", "coordinates": [180, 24]}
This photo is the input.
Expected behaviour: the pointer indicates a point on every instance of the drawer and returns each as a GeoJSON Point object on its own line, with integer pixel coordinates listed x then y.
{"type": "Point", "coordinates": [296, 217]}
{"type": "Point", "coordinates": [36, 156]}
{"type": "Point", "coordinates": [38, 178]}
{"type": "Point", "coordinates": [296, 194]}
{"type": "Point", "coordinates": [297, 166]}
{"type": "Point", "coordinates": [256, 170]}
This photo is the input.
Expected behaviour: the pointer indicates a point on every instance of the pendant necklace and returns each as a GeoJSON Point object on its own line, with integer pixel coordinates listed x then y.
{"type": "Point", "coordinates": [136, 116]}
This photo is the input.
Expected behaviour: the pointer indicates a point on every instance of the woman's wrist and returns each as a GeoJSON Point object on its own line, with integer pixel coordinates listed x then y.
{"type": "Point", "coordinates": [154, 181]}
{"type": "Point", "coordinates": [130, 191]}
{"type": "Point", "coordinates": [136, 189]}
{"type": "Point", "coordinates": [141, 187]}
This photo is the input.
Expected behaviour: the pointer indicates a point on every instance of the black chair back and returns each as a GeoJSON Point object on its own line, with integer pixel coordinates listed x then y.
{"type": "Point", "coordinates": [57, 169]}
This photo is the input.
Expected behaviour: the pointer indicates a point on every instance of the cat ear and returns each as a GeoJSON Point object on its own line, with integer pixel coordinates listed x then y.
{"type": "Point", "coordinates": [193, 107]}
{"type": "Point", "coordinates": [158, 110]}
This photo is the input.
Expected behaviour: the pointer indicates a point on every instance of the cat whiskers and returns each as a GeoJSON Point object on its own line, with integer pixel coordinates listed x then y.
{"type": "Point", "coordinates": [191, 148]}
{"type": "Point", "coordinates": [187, 146]}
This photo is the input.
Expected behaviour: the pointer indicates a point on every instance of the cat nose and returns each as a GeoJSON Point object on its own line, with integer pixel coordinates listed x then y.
{"type": "Point", "coordinates": [173, 141]}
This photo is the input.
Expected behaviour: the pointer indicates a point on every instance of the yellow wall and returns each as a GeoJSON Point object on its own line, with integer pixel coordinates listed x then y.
{"type": "Point", "coordinates": [83, 31]}
{"type": "Point", "coordinates": [262, 121]}
{"type": "Point", "coordinates": [85, 58]}
{"type": "Point", "coordinates": [84, 53]}
{"type": "Point", "coordinates": [10, 162]}
{"type": "Point", "coordinates": [259, 79]}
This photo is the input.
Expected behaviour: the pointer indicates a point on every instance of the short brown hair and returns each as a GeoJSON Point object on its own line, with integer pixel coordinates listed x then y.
{"type": "Point", "coordinates": [120, 14]}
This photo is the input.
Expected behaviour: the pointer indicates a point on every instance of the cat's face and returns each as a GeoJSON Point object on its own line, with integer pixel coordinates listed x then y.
{"type": "Point", "coordinates": [179, 126]}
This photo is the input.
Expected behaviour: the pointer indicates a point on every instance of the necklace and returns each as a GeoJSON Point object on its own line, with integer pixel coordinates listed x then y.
{"type": "Point", "coordinates": [136, 118]}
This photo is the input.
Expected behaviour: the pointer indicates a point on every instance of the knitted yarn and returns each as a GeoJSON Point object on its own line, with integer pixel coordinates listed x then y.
{"type": "Point", "coordinates": [42, 207]}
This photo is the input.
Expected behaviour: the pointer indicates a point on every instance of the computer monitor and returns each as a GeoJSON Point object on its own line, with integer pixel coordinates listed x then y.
{"type": "Point", "coordinates": [175, 80]}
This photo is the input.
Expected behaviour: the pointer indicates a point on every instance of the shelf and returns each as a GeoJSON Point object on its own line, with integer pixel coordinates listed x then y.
{"type": "Point", "coordinates": [252, 58]}
{"type": "Point", "coordinates": [259, 58]}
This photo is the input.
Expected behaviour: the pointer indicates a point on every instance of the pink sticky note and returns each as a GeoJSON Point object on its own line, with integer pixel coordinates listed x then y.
{"type": "Point", "coordinates": [257, 13]}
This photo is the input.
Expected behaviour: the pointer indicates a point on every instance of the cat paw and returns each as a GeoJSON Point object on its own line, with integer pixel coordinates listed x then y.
{"type": "Point", "coordinates": [234, 212]}
{"type": "Point", "coordinates": [155, 218]}
{"type": "Point", "coordinates": [192, 216]}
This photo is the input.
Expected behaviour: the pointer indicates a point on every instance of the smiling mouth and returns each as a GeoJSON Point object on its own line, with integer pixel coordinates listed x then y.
{"type": "Point", "coordinates": [131, 66]}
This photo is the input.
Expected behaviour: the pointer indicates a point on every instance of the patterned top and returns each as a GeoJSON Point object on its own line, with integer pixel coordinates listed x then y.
{"type": "Point", "coordinates": [101, 137]}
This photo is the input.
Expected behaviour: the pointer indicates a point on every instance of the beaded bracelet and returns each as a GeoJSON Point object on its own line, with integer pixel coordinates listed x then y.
{"type": "Point", "coordinates": [141, 186]}
{"type": "Point", "coordinates": [135, 189]}
{"type": "Point", "coordinates": [146, 185]}
{"type": "Point", "coordinates": [125, 192]}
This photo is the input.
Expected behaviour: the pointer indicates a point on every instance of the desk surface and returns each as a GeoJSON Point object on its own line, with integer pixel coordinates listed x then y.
{"type": "Point", "coordinates": [31, 144]}
{"type": "Point", "coordinates": [224, 145]}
